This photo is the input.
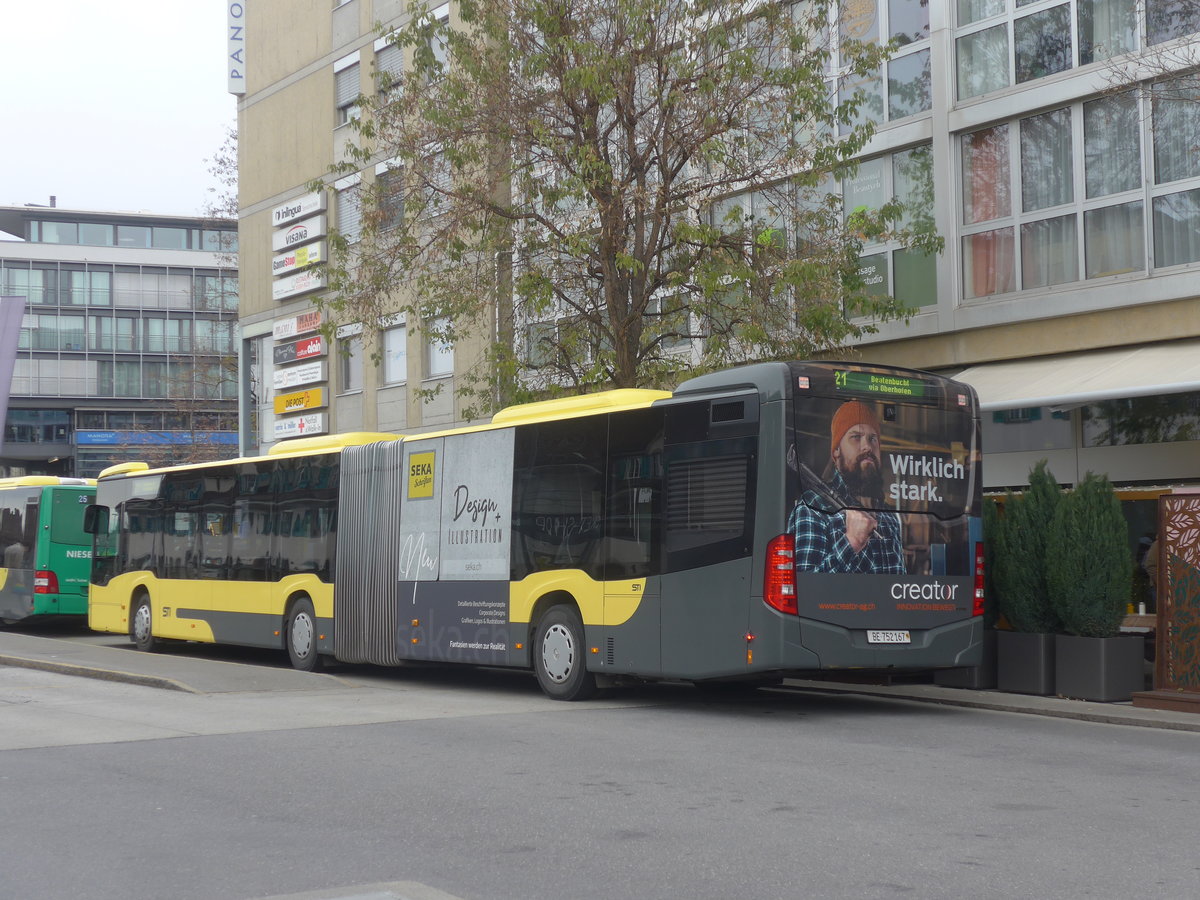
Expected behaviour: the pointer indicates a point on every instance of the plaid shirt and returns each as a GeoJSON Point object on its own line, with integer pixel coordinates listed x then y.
{"type": "Point", "coordinates": [821, 544]}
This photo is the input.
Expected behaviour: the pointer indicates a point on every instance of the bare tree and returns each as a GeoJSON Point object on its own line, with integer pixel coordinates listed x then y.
{"type": "Point", "coordinates": [616, 192]}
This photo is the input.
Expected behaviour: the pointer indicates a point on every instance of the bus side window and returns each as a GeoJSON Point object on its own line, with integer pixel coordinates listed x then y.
{"type": "Point", "coordinates": [12, 529]}
{"type": "Point", "coordinates": [710, 476]}
{"type": "Point", "coordinates": [558, 503]}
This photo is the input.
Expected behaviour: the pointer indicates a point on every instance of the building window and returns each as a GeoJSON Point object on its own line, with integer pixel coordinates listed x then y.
{"type": "Point", "coordinates": [133, 236]}
{"type": "Point", "coordinates": [437, 44]}
{"type": "Point", "coordinates": [389, 64]}
{"type": "Point", "coordinates": [439, 353]}
{"type": "Point", "coordinates": [1085, 186]}
{"type": "Point", "coordinates": [346, 88]}
{"type": "Point", "coordinates": [1176, 116]}
{"type": "Point", "coordinates": [1056, 37]}
{"type": "Point", "coordinates": [1177, 228]}
{"type": "Point", "coordinates": [1112, 145]}
{"type": "Point", "coordinates": [169, 238]}
{"type": "Point", "coordinates": [389, 194]}
{"type": "Point", "coordinates": [350, 363]}
{"type": "Point", "coordinates": [1106, 28]}
{"type": "Point", "coordinates": [982, 61]}
{"type": "Point", "coordinates": [1042, 42]}
{"type": "Point", "coordinates": [349, 212]}
{"type": "Point", "coordinates": [887, 268]}
{"type": "Point", "coordinates": [906, 90]}
{"type": "Point", "coordinates": [56, 232]}
{"type": "Point", "coordinates": [1165, 418]}
{"type": "Point", "coordinates": [540, 344]}
{"type": "Point", "coordinates": [395, 354]}
{"type": "Point", "coordinates": [1167, 20]}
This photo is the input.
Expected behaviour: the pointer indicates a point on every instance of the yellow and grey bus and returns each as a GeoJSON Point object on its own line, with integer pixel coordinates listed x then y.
{"type": "Point", "coordinates": [768, 520]}
{"type": "Point", "coordinates": [46, 553]}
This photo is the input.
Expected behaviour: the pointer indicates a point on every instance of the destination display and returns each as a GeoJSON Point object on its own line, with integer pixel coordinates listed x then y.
{"type": "Point", "coordinates": [883, 385]}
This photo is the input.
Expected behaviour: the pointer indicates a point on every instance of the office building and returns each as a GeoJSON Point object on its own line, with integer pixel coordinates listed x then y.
{"type": "Point", "coordinates": [126, 348]}
{"type": "Point", "coordinates": [1067, 290]}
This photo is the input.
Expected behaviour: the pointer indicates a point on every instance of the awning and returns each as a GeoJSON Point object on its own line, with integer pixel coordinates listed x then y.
{"type": "Point", "coordinates": [1078, 378]}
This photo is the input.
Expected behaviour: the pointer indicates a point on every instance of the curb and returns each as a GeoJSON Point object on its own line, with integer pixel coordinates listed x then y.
{"type": "Point", "coordinates": [101, 674]}
{"type": "Point", "coordinates": [1062, 708]}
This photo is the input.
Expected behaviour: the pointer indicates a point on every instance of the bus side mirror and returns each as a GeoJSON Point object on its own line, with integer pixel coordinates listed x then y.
{"type": "Point", "coordinates": [95, 519]}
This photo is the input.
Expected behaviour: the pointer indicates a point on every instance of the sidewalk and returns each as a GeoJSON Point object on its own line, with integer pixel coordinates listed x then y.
{"type": "Point", "coordinates": [117, 660]}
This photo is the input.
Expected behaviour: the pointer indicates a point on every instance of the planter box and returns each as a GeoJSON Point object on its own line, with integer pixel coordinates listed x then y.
{"type": "Point", "coordinates": [1025, 663]}
{"type": "Point", "coordinates": [1103, 669]}
{"type": "Point", "coordinates": [979, 678]}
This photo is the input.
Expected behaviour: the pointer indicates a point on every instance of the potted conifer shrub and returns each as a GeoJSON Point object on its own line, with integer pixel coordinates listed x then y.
{"type": "Point", "coordinates": [1089, 578]}
{"type": "Point", "coordinates": [1025, 652]}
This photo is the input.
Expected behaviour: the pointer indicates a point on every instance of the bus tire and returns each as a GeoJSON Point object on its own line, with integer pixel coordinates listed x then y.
{"type": "Point", "coordinates": [141, 625]}
{"type": "Point", "coordinates": [301, 631]}
{"type": "Point", "coordinates": [559, 657]}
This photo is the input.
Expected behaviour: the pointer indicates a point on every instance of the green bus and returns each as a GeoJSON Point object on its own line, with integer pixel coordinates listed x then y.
{"type": "Point", "coordinates": [769, 520]}
{"type": "Point", "coordinates": [47, 555]}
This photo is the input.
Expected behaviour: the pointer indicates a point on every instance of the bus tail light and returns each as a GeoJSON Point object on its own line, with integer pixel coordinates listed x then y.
{"type": "Point", "coordinates": [45, 582]}
{"type": "Point", "coordinates": [779, 583]}
{"type": "Point", "coordinates": [978, 608]}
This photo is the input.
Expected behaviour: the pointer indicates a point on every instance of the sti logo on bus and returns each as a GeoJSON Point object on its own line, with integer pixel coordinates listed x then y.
{"type": "Point", "coordinates": [420, 475]}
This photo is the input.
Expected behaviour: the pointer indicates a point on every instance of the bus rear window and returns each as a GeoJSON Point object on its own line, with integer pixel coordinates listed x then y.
{"type": "Point", "coordinates": [886, 455]}
{"type": "Point", "coordinates": [66, 522]}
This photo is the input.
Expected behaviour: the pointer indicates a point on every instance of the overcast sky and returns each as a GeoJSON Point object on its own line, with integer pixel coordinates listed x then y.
{"type": "Point", "coordinates": [113, 104]}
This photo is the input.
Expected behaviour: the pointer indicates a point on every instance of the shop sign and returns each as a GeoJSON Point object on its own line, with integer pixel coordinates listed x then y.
{"type": "Point", "coordinates": [300, 233]}
{"type": "Point", "coordinates": [298, 208]}
{"type": "Point", "coordinates": [313, 398]}
{"type": "Point", "coordinates": [299, 258]}
{"type": "Point", "coordinates": [300, 283]}
{"type": "Point", "coordinates": [299, 426]}
{"type": "Point", "coordinates": [301, 324]}
{"type": "Point", "coordinates": [294, 376]}
{"type": "Point", "coordinates": [304, 349]}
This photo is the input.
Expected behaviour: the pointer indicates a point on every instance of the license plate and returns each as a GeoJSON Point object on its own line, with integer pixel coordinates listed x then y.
{"type": "Point", "coordinates": [888, 637]}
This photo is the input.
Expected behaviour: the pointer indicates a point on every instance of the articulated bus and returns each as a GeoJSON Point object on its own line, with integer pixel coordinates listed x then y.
{"type": "Point", "coordinates": [773, 519]}
{"type": "Point", "coordinates": [47, 554]}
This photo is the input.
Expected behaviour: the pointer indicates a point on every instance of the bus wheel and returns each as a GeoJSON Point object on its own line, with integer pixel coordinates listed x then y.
{"type": "Point", "coordinates": [302, 635]}
{"type": "Point", "coordinates": [558, 656]}
{"type": "Point", "coordinates": [141, 625]}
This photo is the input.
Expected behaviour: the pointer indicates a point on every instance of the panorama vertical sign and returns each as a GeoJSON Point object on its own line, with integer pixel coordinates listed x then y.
{"type": "Point", "coordinates": [235, 40]}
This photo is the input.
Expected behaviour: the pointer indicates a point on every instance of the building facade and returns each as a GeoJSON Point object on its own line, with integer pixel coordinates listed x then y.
{"type": "Point", "coordinates": [127, 344]}
{"type": "Point", "coordinates": [1053, 144]}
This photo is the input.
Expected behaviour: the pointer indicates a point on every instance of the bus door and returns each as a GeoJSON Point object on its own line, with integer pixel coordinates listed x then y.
{"type": "Point", "coordinates": [633, 544]}
{"type": "Point", "coordinates": [186, 561]}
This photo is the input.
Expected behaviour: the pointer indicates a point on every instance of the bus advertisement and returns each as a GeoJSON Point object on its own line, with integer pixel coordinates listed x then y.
{"type": "Point", "coordinates": [770, 520]}
{"type": "Point", "coordinates": [47, 555]}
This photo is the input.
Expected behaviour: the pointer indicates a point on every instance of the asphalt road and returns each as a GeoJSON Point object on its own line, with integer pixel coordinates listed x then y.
{"type": "Point", "coordinates": [461, 783]}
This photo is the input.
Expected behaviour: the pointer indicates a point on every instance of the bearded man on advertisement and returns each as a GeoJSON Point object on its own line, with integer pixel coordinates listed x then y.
{"type": "Point", "coordinates": [840, 525]}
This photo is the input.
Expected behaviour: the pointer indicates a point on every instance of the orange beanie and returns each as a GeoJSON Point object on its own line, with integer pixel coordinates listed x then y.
{"type": "Point", "coordinates": [849, 414]}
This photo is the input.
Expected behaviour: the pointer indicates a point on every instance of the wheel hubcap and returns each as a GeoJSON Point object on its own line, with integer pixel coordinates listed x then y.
{"type": "Point", "coordinates": [141, 623]}
{"type": "Point", "coordinates": [302, 635]}
{"type": "Point", "coordinates": [558, 653]}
